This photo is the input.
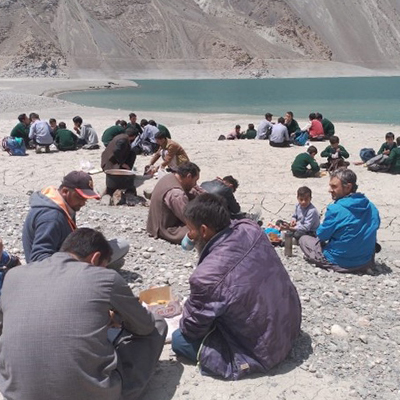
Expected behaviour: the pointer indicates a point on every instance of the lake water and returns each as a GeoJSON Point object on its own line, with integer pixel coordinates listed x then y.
{"type": "Point", "coordinates": [371, 100]}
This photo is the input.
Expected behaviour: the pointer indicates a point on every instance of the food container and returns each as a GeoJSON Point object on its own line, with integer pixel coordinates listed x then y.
{"type": "Point", "coordinates": [120, 179]}
{"type": "Point", "coordinates": [161, 301]}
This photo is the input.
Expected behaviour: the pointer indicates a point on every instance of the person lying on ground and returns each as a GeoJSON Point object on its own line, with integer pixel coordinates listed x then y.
{"type": "Point", "coordinates": [305, 219]}
{"type": "Point", "coordinates": [242, 302]}
{"type": "Point", "coordinates": [279, 135]}
{"type": "Point", "coordinates": [264, 128]}
{"type": "Point", "coordinates": [65, 139]}
{"type": "Point", "coordinates": [314, 128]}
{"type": "Point", "coordinates": [40, 133]}
{"type": "Point", "coordinates": [88, 138]}
{"type": "Point", "coordinates": [161, 128]}
{"type": "Point", "coordinates": [234, 134]}
{"type": "Point", "coordinates": [329, 128]}
{"type": "Point", "coordinates": [112, 131]}
{"type": "Point", "coordinates": [52, 218]}
{"type": "Point", "coordinates": [346, 238]}
{"type": "Point", "coordinates": [168, 200]}
{"type": "Point", "coordinates": [291, 124]}
{"type": "Point", "coordinates": [74, 330]}
{"type": "Point", "coordinates": [302, 161]}
{"type": "Point", "coordinates": [21, 130]}
{"type": "Point", "coordinates": [335, 154]}
{"type": "Point", "coordinates": [251, 133]}
{"type": "Point", "coordinates": [171, 153]}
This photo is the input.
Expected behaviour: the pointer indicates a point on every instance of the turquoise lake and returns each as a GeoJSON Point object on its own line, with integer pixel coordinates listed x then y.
{"type": "Point", "coordinates": [370, 100]}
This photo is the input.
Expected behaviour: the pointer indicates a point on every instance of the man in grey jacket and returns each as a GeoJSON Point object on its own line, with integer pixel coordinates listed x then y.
{"type": "Point", "coordinates": [55, 318]}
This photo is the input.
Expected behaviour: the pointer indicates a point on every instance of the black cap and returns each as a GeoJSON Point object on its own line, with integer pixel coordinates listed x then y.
{"type": "Point", "coordinates": [82, 182]}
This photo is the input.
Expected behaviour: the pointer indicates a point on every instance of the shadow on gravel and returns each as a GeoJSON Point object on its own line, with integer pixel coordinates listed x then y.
{"type": "Point", "coordinates": [163, 384]}
{"type": "Point", "coordinates": [381, 269]}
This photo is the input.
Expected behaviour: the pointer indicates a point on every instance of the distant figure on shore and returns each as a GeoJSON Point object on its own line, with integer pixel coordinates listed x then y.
{"type": "Point", "coordinates": [291, 123]}
{"type": "Point", "coordinates": [302, 161]}
{"type": "Point", "coordinates": [346, 239]}
{"type": "Point", "coordinates": [335, 154]}
{"type": "Point", "coordinates": [234, 134]}
{"type": "Point", "coordinates": [378, 163]}
{"type": "Point", "coordinates": [168, 200]}
{"type": "Point", "coordinates": [243, 313]}
{"type": "Point", "coordinates": [147, 141]}
{"type": "Point", "coordinates": [133, 123]}
{"type": "Point", "coordinates": [172, 154]}
{"type": "Point", "coordinates": [314, 128]}
{"type": "Point", "coordinates": [88, 138]}
{"type": "Point", "coordinates": [40, 133]}
{"type": "Point", "coordinates": [279, 134]}
{"type": "Point", "coordinates": [21, 130]}
{"type": "Point", "coordinates": [161, 128]}
{"type": "Point", "coordinates": [250, 133]}
{"type": "Point", "coordinates": [115, 130]}
{"type": "Point", "coordinates": [65, 139]}
{"type": "Point", "coordinates": [53, 127]}
{"type": "Point", "coordinates": [265, 127]}
{"type": "Point", "coordinates": [329, 128]}
{"type": "Point", "coordinates": [388, 163]}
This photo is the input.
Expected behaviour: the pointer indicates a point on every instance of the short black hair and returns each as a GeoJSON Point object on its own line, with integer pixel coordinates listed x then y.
{"type": "Point", "coordinates": [210, 210]}
{"type": "Point", "coordinates": [398, 141]}
{"type": "Point", "coordinates": [123, 123]}
{"type": "Point", "coordinates": [85, 241]}
{"type": "Point", "coordinates": [389, 135]}
{"type": "Point", "coordinates": [160, 135]}
{"type": "Point", "coordinates": [52, 120]}
{"type": "Point", "coordinates": [144, 122]}
{"type": "Point", "coordinates": [230, 179]}
{"type": "Point", "coordinates": [77, 120]}
{"type": "Point", "coordinates": [33, 115]}
{"type": "Point", "coordinates": [312, 116]}
{"type": "Point", "coordinates": [152, 122]}
{"type": "Point", "coordinates": [21, 117]}
{"type": "Point", "coordinates": [281, 120]}
{"type": "Point", "coordinates": [334, 139]}
{"type": "Point", "coordinates": [131, 131]}
{"type": "Point", "coordinates": [312, 150]}
{"type": "Point", "coordinates": [251, 126]}
{"type": "Point", "coordinates": [290, 113]}
{"type": "Point", "coordinates": [304, 191]}
{"type": "Point", "coordinates": [268, 115]}
{"type": "Point", "coordinates": [132, 115]}
{"type": "Point", "coordinates": [319, 115]}
{"type": "Point", "coordinates": [62, 125]}
{"type": "Point", "coordinates": [187, 168]}
{"type": "Point", "coordinates": [237, 126]}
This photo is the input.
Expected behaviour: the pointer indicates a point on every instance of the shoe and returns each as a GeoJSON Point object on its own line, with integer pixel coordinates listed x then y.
{"type": "Point", "coordinates": [38, 150]}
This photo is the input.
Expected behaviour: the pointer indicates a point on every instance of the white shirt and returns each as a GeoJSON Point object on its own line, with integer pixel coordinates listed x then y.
{"type": "Point", "coordinates": [279, 134]}
{"type": "Point", "coordinates": [40, 131]}
{"type": "Point", "coordinates": [262, 128]}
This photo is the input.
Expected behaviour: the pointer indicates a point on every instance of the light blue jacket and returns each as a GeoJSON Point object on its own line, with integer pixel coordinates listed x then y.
{"type": "Point", "coordinates": [349, 228]}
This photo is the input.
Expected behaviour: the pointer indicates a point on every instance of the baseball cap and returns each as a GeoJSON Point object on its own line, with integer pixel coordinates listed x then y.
{"type": "Point", "coordinates": [82, 182]}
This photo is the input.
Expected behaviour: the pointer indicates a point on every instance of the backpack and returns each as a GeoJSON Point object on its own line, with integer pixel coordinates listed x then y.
{"type": "Point", "coordinates": [14, 146]}
{"type": "Point", "coordinates": [366, 154]}
{"type": "Point", "coordinates": [301, 138]}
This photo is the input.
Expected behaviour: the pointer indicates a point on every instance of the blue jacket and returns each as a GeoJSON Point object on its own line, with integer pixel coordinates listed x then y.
{"type": "Point", "coordinates": [45, 228]}
{"type": "Point", "coordinates": [242, 303]}
{"type": "Point", "coordinates": [349, 228]}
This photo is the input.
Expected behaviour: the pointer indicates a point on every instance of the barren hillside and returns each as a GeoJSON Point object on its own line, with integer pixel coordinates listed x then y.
{"type": "Point", "coordinates": [125, 38]}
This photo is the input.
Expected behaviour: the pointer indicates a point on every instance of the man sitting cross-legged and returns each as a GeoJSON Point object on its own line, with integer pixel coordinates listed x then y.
{"type": "Point", "coordinates": [243, 313]}
{"type": "Point", "coordinates": [56, 315]}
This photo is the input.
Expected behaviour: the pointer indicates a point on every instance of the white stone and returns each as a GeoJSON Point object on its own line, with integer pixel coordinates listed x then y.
{"type": "Point", "coordinates": [338, 331]}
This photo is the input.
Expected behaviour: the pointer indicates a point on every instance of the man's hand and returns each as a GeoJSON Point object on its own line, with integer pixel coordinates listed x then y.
{"type": "Point", "coordinates": [386, 152]}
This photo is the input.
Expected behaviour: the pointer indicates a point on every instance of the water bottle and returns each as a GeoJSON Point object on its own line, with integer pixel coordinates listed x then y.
{"type": "Point", "coordinates": [187, 243]}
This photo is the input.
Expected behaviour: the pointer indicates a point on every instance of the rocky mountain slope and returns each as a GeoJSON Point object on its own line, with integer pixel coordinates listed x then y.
{"type": "Point", "coordinates": [125, 38]}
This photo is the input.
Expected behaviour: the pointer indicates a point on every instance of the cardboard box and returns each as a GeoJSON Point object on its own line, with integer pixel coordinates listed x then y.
{"type": "Point", "coordinates": [161, 301]}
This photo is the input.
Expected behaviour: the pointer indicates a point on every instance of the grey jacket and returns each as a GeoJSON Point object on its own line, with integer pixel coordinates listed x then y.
{"type": "Point", "coordinates": [55, 316]}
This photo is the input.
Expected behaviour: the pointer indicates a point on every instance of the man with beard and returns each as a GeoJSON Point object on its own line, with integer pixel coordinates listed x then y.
{"type": "Point", "coordinates": [243, 313]}
{"type": "Point", "coordinates": [346, 239]}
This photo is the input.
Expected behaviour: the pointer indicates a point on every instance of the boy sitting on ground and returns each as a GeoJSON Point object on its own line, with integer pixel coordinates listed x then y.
{"type": "Point", "coordinates": [378, 163]}
{"type": "Point", "coordinates": [335, 154]}
{"type": "Point", "coordinates": [389, 144]}
{"type": "Point", "coordinates": [393, 160]}
{"type": "Point", "coordinates": [302, 161]}
{"type": "Point", "coordinates": [305, 220]}
{"type": "Point", "coordinates": [65, 139]}
{"type": "Point", "coordinates": [235, 134]}
{"type": "Point", "coordinates": [251, 133]}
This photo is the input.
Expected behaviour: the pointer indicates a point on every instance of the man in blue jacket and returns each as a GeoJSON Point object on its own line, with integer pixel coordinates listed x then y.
{"type": "Point", "coordinates": [346, 239]}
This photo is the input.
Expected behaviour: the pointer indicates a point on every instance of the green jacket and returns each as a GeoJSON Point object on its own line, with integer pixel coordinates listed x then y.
{"type": "Point", "coordinates": [293, 126]}
{"type": "Point", "coordinates": [65, 139]}
{"type": "Point", "coordinates": [385, 146]}
{"type": "Point", "coordinates": [394, 161]}
{"type": "Point", "coordinates": [302, 161]}
{"type": "Point", "coordinates": [110, 133]}
{"type": "Point", "coordinates": [329, 128]}
{"type": "Point", "coordinates": [330, 150]}
{"type": "Point", "coordinates": [165, 130]}
{"type": "Point", "coordinates": [250, 134]}
{"type": "Point", "coordinates": [20, 130]}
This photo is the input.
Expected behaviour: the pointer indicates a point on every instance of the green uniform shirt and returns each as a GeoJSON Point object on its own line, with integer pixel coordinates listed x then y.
{"type": "Point", "coordinates": [385, 146]}
{"type": "Point", "coordinates": [250, 134]}
{"type": "Point", "coordinates": [394, 161]}
{"type": "Point", "coordinates": [330, 150]}
{"type": "Point", "coordinates": [65, 139]}
{"type": "Point", "coordinates": [293, 126]}
{"type": "Point", "coordinates": [329, 128]}
{"type": "Point", "coordinates": [302, 161]}
{"type": "Point", "coordinates": [110, 133]}
{"type": "Point", "coordinates": [20, 130]}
